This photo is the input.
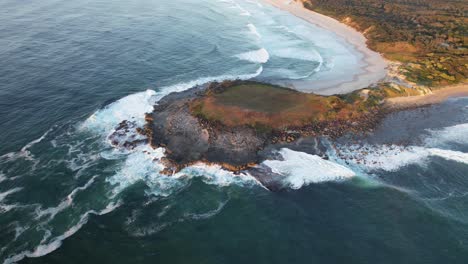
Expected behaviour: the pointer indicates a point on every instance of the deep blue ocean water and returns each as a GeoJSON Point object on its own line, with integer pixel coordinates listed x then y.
{"type": "Point", "coordinates": [72, 70]}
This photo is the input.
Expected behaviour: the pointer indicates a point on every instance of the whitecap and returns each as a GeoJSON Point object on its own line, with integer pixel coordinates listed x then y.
{"type": "Point", "coordinates": [301, 169]}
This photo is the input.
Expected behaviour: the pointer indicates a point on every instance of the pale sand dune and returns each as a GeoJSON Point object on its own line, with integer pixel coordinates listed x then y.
{"type": "Point", "coordinates": [374, 71]}
{"type": "Point", "coordinates": [437, 96]}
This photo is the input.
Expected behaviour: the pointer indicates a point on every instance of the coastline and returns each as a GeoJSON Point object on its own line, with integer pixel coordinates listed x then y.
{"type": "Point", "coordinates": [436, 96]}
{"type": "Point", "coordinates": [376, 66]}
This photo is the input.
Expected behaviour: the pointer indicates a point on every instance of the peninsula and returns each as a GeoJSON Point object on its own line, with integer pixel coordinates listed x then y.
{"type": "Point", "coordinates": [230, 123]}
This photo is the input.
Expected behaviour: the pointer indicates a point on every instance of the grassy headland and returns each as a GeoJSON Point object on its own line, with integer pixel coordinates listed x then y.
{"type": "Point", "coordinates": [270, 107]}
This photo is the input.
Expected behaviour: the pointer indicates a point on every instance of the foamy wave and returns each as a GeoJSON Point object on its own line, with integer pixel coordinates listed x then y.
{"type": "Point", "coordinates": [132, 108]}
{"type": "Point", "coordinates": [185, 86]}
{"type": "Point", "coordinates": [143, 165]}
{"type": "Point", "coordinates": [447, 135]}
{"type": "Point", "coordinates": [256, 56]}
{"type": "Point", "coordinates": [301, 169]}
{"type": "Point", "coordinates": [215, 175]}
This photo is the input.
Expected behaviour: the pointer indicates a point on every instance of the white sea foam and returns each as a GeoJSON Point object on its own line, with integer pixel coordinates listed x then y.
{"type": "Point", "coordinates": [215, 175]}
{"type": "Point", "coordinates": [301, 169]}
{"type": "Point", "coordinates": [132, 107]}
{"type": "Point", "coordinates": [53, 211]}
{"type": "Point", "coordinates": [46, 248]}
{"type": "Point", "coordinates": [3, 195]}
{"type": "Point", "coordinates": [187, 85]}
{"type": "Point", "coordinates": [392, 157]}
{"type": "Point", "coordinates": [253, 30]}
{"type": "Point", "coordinates": [24, 152]}
{"type": "Point", "coordinates": [142, 165]}
{"type": "Point", "coordinates": [447, 135]}
{"type": "Point", "coordinates": [256, 56]}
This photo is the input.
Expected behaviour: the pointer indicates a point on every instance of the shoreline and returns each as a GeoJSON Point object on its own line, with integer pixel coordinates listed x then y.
{"type": "Point", "coordinates": [375, 68]}
{"type": "Point", "coordinates": [436, 96]}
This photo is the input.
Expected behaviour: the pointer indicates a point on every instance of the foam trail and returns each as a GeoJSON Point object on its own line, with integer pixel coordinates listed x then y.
{"type": "Point", "coordinates": [5, 194]}
{"type": "Point", "coordinates": [392, 158]}
{"type": "Point", "coordinates": [207, 215]}
{"type": "Point", "coordinates": [256, 56]}
{"type": "Point", "coordinates": [53, 211]}
{"type": "Point", "coordinates": [44, 249]}
{"type": "Point", "coordinates": [301, 169]}
{"type": "Point", "coordinates": [24, 152]}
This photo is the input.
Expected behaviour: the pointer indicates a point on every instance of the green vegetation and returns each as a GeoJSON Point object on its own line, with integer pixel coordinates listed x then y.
{"type": "Point", "coordinates": [428, 36]}
{"type": "Point", "coordinates": [267, 107]}
{"type": "Point", "coordinates": [259, 97]}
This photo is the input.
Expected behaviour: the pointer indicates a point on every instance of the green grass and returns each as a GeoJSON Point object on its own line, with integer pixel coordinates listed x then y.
{"type": "Point", "coordinates": [259, 97]}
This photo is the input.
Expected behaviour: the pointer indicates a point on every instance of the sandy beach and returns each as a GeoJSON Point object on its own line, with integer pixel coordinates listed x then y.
{"type": "Point", "coordinates": [374, 68]}
{"type": "Point", "coordinates": [437, 96]}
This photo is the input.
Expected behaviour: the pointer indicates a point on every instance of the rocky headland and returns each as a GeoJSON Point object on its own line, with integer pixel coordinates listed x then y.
{"type": "Point", "coordinates": [223, 124]}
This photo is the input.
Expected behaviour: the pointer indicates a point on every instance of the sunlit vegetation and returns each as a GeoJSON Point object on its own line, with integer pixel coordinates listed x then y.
{"type": "Point", "coordinates": [429, 36]}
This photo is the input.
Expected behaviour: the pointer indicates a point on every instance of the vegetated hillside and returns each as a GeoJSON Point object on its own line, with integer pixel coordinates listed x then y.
{"type": "Point", "coordinates": [429, 36]}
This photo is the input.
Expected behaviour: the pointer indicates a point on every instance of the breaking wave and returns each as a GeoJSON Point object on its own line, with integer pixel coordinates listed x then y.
{"type": "Point", "coordinates": [300, 169]}
{"type": "Point", "coordinates": [134, 106]}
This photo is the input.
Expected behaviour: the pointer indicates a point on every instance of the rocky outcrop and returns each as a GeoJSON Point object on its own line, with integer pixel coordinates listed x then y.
{"type": "Point", "coordinates": [188, 139]}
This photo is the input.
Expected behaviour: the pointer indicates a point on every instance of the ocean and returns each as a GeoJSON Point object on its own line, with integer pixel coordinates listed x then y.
{"type": "Point", "coordinates": [73, 70]}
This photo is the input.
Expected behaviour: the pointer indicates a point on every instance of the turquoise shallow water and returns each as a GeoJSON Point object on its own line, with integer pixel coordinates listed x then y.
{"type": "Point", "coordinates": [73, 70]}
